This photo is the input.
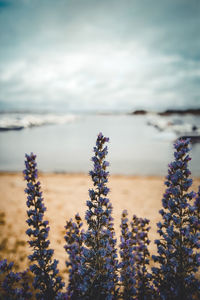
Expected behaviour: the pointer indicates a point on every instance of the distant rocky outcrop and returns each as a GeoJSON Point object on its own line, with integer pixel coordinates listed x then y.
{"type": "Point", "coordinates": [169, 112]}
{"type": "Point", "coordinates": [139, 112]}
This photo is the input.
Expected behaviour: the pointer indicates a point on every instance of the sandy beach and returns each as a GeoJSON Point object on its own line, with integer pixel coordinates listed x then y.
{"type": "Point", "coordinates": [65, 195]}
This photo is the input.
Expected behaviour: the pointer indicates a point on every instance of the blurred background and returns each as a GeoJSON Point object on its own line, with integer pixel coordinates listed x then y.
{"type": "Point", "coordinates": [71, 68]}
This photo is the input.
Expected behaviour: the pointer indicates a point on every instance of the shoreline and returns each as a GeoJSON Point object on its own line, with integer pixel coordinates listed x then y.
{"type": "Point", "coordinates": [54, 173]}
{"type": "Point", "coordinates": [117, 175]}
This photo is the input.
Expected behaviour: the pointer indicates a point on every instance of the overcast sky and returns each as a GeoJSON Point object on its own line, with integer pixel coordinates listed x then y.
{"type": "Point", "coordinates": [100, 54]}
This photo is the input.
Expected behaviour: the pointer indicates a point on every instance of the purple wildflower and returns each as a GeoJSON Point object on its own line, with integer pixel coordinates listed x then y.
{"type": "Point", "coordinates": [127, 264]}
{"type": "Point", "coordinates": [45, 269]}
{"type": "Point", "coordinates": [177, 260]}
{"type": "Point", "coordinates": [75, 263]}
{"type": "Point", "coordinates": [140, 228]}
{"type": "Point", "coordinates": [101, 254]}
{"type": "Point", "coordinates": [13, 285]}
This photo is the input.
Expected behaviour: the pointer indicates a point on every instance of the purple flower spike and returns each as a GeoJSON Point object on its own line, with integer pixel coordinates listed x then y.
{"type": "Point", "coordinates": [76, 263]}
{"type": "Point", "coordinates": [127, 264]}
{"type": "Point", "coordinates": [100, 253]}
{"type": "Point", "coordinates": [140, 228]}
{"type": "Point", "coordinates": [177, 258]}
{"type": "Point", "coordinates": [45, 269]}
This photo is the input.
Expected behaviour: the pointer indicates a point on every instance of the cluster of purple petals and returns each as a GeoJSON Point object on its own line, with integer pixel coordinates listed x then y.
{"type": "Point", "coordinates": [127, 263]}
{"type": "Point", "coordinates": [76, 262]}
{"type": "Point", "coordinates": [46, 279]}
{"type": "Point", "coordinates": [140, 228]}
{"type": "Point", "coordinates": [178, 255]}
{"type": "Point", "coordinates": [14, 285]}
{"type": "Point", "coordinates": [100, 252]}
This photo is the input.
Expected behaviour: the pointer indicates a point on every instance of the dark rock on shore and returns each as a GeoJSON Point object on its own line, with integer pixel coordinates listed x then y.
{"type": "Point", "coordinates": [139, 112]}
{"type": "Point", "coordinates": [11, 128]}
{"type": "Point", "coordinates": [169, 112]}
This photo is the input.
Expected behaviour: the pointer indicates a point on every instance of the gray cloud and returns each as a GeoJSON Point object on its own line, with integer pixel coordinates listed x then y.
{"type": "Point", "coordinates": [100, 54]}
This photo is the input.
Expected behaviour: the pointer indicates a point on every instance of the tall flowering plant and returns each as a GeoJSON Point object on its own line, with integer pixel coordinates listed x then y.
{"type": "Point", "coordinates": [76, 263]}
{"type": "Point", "coordinates": [140, 228]}
{"type": "Point", "coordinates": [177, 259]}
{"type": "Point", "coordinates": [135, 277]}
{"type": "Point", "coordinates": [46, 279]}
{"type": "Point", "coordinates": [127, 264]}
{"type": "Point", "coordinates": [100, 252]}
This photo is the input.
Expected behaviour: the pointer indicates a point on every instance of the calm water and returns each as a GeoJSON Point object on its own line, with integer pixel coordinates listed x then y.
{"type": "Point", "coordinates": [134, 148]}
